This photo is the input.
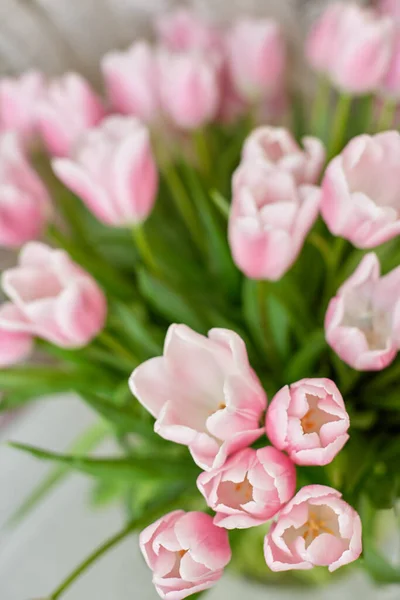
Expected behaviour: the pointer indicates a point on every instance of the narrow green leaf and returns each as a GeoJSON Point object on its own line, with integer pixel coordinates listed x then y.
{"type": "Point", "coordinates": [221, 203]}
{"type": "Point", "coordinates": [378, 567]}
{"type": "Point", "coordinates": [139, 331]}
{"type": "Point", "coordinates": [251, 313]}
{"type": "Point", "coordinates": [303, 362]}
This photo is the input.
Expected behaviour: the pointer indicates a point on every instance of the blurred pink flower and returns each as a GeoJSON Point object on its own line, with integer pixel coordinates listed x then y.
{"type": "Point", "coordinates": [308, 420]}
{"type": "Point", "coordinates": [190, 87]}
{"type": "Point", "coordinates": [24, 202]}
{"type": "Point", "coordinates": [112, 169]}
{"type": "Point", "coordinates": [203, 393]}
{"type": "Point", "coordinates": [19, 100]}
{"type": "Point", "coordinates": [186, 552]}
{"type": "Point", "coordinates": [257, 58]}
{"type": "Point", "coordinates": [52, 298]}
{"type": "Point", "coordinates": [268, 212]}
{"type": "Point", "coordinates": [250, 488]}
{"type": "Point", "coordinates": [69, 108]}
{"type": "Point", "coordinates": [183, 30]}
{"type": "Point", "coordinates": [362, 323]}
{"type": "Point", "coordinates": [321, 41]}
{"type": "Point", "coordinates": [277, 147]}
{"type": "Point", "coordinates": [355, 204]}
{"type": "Point", "coordinates": [15, 346]}
{"type": "Point", "coordinates": [131, 79]}
{"type": "Point", "coordinates": [316, 528]}
{"type": "Point", "coordinates": [390, 8]}
{"type": "Point", "coordinates": [390, 85]}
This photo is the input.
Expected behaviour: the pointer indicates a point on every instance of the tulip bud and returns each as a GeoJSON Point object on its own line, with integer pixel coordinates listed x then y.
{"type": "Point", "coordinates": [183, 30]}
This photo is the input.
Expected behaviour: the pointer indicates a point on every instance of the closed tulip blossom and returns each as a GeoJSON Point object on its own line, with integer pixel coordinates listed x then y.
{"type": "Point", "coordinates": [19, 100]}
{"type": "Point", "coordinates": [308, 420]}
{"type": "Point", "coordinates": [15, 346]}
{"type": "Point", "coordinates": [186, 552]}
{"type": "Point", "coordinates": [203, 393]}
{"type": "Point", "coordinates": [112, 169]}
{"type": "Point", "coordinates": [276, 146]}
{"type": "Point", "coordinates": [390, 86]}
{"type": "Point", "coordinates": [250, 488]}
{"type": "Point", "coordinates": [355, 205]}
{"type": "Point", "coordinates": [131, 79]}
{"type": "Point", "coordinates": [362, 323]}
{"type": "Point", "coordinates": [256, 54]}
{"type": "Point", "coordinates": [316, 528]}
{"type": "Point", "coordinates": [321, 41]}
{"type": "Point", "coordinates": [52, 298]}
{"type": "Point", "coordinates": [269, 211]}
{"type": "Point", "coordinates": [183, 30]}
{"type": "Point", "coordinates": [189, 87]}
{"type": "Point", "coordinates": [24, 202]}
{"type": "Point", "coordinates": [70, 108]}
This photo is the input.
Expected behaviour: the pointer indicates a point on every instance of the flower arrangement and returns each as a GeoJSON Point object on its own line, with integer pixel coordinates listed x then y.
{"type": "Point", "coordinates": [206, 190]}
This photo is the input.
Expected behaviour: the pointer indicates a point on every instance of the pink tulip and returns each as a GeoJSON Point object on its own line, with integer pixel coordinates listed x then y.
{"type": "Point", "coordinates": [257, 58]}
{"type": "Point", "coordinates": [203, 393]}
{"type": "Point", "coordinates": [69, 109]}
{"type": "Point", "coordinates": [390, 8]}
{"type": "Point", "coordinates": [362, 323]}
{"type": "Point", "coordinates": [268, 212]}
{"type": "Point", "coordinates": [183, 30]}
{"type": "Point", "coordinates": [186, 552]}
{"type": "Point", "coordinates": [15, 346]}
{"type": "Point", "coordinates": [113, 170]}
{"type": "Point", "coordinates": [355, 205]}
{"type": "Point", "coordinates": [316, 528]}
{"type": "Point", "coordinates": [277, 147]}
{"type": "Point", "coordinates": [321, 42]}
{"type": "Point", "coordinates": [189, 87]}
{"type": "Point", "coordinates": [19, 99]}
{"type": "Point", "coordinates": [390, 86]}
{"type": "Point", "coordinates": [308, 420]}
{"type": "Point", "coordinates": [250, 488]}
{"type": "Point", "coordinates": [52, 298]}
{"type": "Point", "coordinates": [24, 203]}
{"type": "Point", "coordinates": [132, 81]}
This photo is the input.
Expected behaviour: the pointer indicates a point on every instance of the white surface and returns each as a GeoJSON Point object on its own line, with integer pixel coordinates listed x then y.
{"type": "Point", "coordinates": [56, 536]}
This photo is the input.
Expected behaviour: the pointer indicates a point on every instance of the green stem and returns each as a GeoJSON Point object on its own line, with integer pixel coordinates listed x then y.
{"type": "Point", "coordinates": [386, 115]}
{"type": "Point", "coordinates": [144, 248]}
{"type": "Point", "coordinates": [221, 203]}
{"type": "Point", "coordinates": [333, 264]}
{"type": "Point", "coordinates": [340, 122]}
{"type": "Point", "coordinates": [265, 325]}
{"type": "Point", "coordinates": [203, 151]}
{"type": "Point", "coordinates": [320, 107]}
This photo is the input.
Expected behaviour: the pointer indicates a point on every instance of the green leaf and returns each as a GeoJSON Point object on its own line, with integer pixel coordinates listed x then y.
{"type": "Point", "coordinates": [251, 313]}
{"type": "Point", "coordinates": [138, 329]}
{"type": "Point", "coordinates": [302, 364]}
{"type": "Point", "coordinates": [378, 567]}
{"type": "Point", "coordinates": [155, 466]}
{"type": "Point", "coordinates": [221, 203]}
{"type": "Point", "coordinates": [280, 325]}
{"type": "Point", "coordinates": [106, 491]}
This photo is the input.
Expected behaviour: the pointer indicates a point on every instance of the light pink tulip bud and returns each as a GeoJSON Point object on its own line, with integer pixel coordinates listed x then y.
{"type": "Point", "coordinates": [268, 212]}
{"type": "Point", "coordinates": [112, 169]}
{"type": "Point", "coordinates": [24, 203]}
{"type": "Point", "coordinates": [362, 323]}
{"type": "Point", "coordinates": [321, 41]}
{"type": "Point", "coordinates": [53, 298]}
{"type": "Point", "coordinates": [19, 100]}
{"type": "Point", "coordinates": [277, 147]}
{"type": "Point", "coordinates": [69, 109]}
{"type": "Point", "coordinates": [316, 528]}
{"type": "Point", "coordinates": [355, 205]}
{"type": "Point", "coordinates": [390, 86]}
{"type": "Point", "coordinates": [15, 346]}
{"type": "Point", "coordinates": [308, 420]}
{"type": "Point", "coordinates": [131, 79]}
{"type": "Point", "coordinates": [186, 552]}
{"type": "Point", "coordinates": [257, 58]}
{"type": "Point", "coordinates": [203, 393]}
{"type": "Point", "coordinates": [190, 87]}
{"type": "Point", "coordinates": [250, 488]}
{"type": "Point", "coordinates": [390, 8]}
{"type": "Point", "coordinates": [183, 30]}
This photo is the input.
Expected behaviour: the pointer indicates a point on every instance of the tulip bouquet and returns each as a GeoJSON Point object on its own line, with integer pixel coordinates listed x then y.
{"type": "Point", "coordinates": [209, 256]}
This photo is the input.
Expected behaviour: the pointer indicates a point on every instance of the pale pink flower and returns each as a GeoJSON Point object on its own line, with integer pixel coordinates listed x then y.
{"type": "Point", "coordinates": [276, 146]}
{"type": "Point", "coordinates": [308, 420]}
{"type": "Point", "coordinates": [361, 190]}
{"type": "Point", "coordinates": [362, 323]}
{"type": "Point", "coordinates": [52, 298]}
{"type": "Point", "coordinates": [19, 100]}
{"type": "Point", "coordinates": [269, 212]}
{"type": "Point", "coordinates": [70, 108]}
{"type": "Point", "coordinates": [203, 393]}
{"type": "Point", "coordinates": [390, 8]}
{"type": "Point", "coordinates": [183, 30]}
{"type": "Point", "coordinates": [190, 87]}
{"type": "Point", "coordinates": [257, 58]}
{"type": "Point", "coordinates": [321, 41]}
{"type": "Point", "coordinates": [390, 86]}
{"type": "Point", "coordinates": [186, 552]}
{"type": "Point", "coordinates": [24, 202]}
{"type": "Point", "coordinates": [316, 528]}
{"type": "Point", "coordinates": [15, 346]}
{"type": "Point", "coordinates": [112, 169]}
{"type": "Point", "coordinates": [250, 488]}
{"type": "Point", "coordinates": [131, 79]}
